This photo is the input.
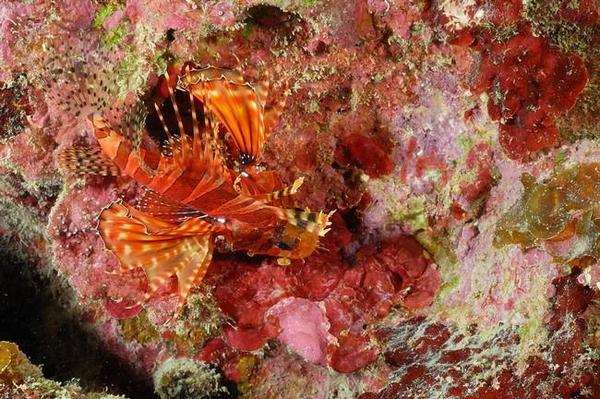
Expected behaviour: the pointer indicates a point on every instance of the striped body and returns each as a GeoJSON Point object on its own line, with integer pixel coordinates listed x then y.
{"type": "Point", "coordinates": [202, 183]}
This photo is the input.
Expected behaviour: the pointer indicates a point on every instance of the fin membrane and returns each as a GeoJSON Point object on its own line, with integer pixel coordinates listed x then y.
{"type": "Point", "coordinates": [82, 160]}
{"type": "Point", "coordinates": [156, 205]}
{"type": "Point", "coordinates": [160, 248]}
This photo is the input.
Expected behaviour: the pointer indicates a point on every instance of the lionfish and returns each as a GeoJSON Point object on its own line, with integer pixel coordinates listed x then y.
{"type": "Point", "coordinates": [197, 194]}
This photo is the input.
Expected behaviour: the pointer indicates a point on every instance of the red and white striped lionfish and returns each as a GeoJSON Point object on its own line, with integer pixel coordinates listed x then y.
{"type": "Point", "coordinates": [199, 194]}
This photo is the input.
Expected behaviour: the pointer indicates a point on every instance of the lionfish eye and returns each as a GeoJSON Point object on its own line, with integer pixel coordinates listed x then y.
{"type": "Point", "coordinates": [245, 159]}
{"type": "Point", "coordinates": [283, 245]}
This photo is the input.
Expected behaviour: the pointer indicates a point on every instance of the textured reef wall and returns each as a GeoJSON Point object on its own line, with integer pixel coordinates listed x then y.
{"type": "Point", "coordinates": [457, 140]}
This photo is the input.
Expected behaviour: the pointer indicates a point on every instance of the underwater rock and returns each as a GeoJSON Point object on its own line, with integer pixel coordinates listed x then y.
{"type": "Point", "coordinates": [21, 379]}
{"type": "Point", "coordinates": [185, 378]}
{"type": "Point", "coordinates": [441, 274]}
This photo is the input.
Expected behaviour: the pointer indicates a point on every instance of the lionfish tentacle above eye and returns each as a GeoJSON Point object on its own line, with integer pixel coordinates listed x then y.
{"type": "Point", "coordinates": [275, 196]}
{"type": "Point", "coordinates": [313, 222]}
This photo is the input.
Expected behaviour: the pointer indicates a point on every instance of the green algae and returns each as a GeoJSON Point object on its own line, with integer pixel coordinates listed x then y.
{"type": "Point", "coordinates": [571, 37]}
{"type": "Point", "coordinates": [564, 206]}
{"type": "Point", "coordinates": [104, 11]}
{"type": "Point", "coordinates": [139, 329]}
{"type": "Point", "coordinates": [113, 37]}
{"type": "Point", "coordinates": [502, 33]}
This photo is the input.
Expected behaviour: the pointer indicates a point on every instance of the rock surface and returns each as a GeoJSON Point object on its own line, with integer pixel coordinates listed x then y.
{"type": "Point", "coordinates": [457, 140]}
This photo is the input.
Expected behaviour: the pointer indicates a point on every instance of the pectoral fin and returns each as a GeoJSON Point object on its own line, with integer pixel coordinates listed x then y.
{"type": "Point", "coordinates": [160, 248]}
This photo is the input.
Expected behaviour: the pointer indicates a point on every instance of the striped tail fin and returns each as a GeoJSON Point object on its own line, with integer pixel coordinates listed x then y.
{"type": "Point", "coordinates": [160, 248]}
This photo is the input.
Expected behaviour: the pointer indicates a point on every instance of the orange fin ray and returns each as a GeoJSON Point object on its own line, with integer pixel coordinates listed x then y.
{"type": "Point", "coordinates": [160, 248]}
{"type": "Point", "coordinates": [238, 108]}
{"type": "Point", "coordinates": [272, 114]}
{"type": "Point", "coordinates": [157, 205]}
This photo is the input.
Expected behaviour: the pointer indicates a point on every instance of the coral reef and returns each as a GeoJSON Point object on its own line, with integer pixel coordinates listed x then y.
{"type": "Point", "coordinates": [21, 379]}
{"type": "Point", "coordinates": [455, 139]}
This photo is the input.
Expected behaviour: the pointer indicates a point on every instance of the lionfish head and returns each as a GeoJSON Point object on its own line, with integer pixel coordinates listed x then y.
{"type": "Point", "coordinates": [300, 236]}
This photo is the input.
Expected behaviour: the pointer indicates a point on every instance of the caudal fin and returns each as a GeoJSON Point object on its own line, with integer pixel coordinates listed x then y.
{"type": "Point", "coordinates": [81, 161]}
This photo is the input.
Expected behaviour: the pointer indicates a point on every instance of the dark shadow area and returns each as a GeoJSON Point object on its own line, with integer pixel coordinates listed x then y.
{"type": "Point", "coordinates": [32, 317]}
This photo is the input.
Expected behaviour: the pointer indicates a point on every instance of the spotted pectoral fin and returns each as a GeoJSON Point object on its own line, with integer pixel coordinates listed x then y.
{"type": "Point", "coordinates": [160, 248]}
{"type": "Point", "coordinates": [81, 161]}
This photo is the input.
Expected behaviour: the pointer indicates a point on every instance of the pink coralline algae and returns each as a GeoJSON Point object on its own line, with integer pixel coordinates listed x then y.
{"type": "Point", "coordinates": [337, 299]}
{"type": "Point", "coordinates": [303, 328]}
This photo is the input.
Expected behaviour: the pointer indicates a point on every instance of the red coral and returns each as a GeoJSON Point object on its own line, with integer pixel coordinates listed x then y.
{"type": "Point", "coordinates": [366, 153]}
{"type": "Point", "coordinates": [354, 352]}
{"type": "Point", "coordinates": [398, 272]}
{"type": "Point", "coordinates": [250, 339]}
{"type": "Point", "coordinates": [479, 160]}
{"type": "Point", "coordinates": [529, 82]}
{"type": "Point", "coordinates": [317, 277]}
{"type": "Point", "coordinates": [406, 257]}
{"type": "Point", "coordinates": [247, 292]}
